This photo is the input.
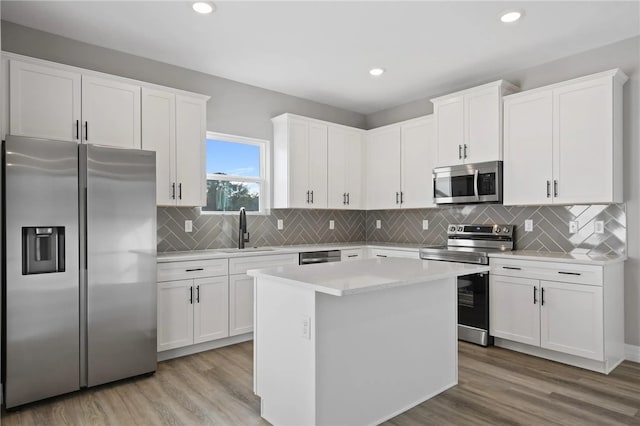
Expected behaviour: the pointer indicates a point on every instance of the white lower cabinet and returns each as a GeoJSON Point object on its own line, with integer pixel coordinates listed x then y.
{"type": "Point", "coordinates": [240, 304]}
{"type": "Point", "coordinates": [373, 252]}
{"type": "Point", "coordinates": [192, 307]}
{"type": "Point", "coordinates": [566, 312]}
{"type": "Point", "coordinates": [348, 255]}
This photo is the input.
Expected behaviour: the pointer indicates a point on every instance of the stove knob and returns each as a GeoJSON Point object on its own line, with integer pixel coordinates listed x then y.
{"type": "Point", "coordinates": [505, 229]}
{"type": "Point", "coordinates": [460, 229]}
{"type": "Point", "coordinates": [497, 230]}
{"type": "Point", "coordinates": [452, 228]}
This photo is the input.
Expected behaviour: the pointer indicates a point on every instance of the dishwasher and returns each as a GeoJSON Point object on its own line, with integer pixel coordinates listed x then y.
{"type": "Point", "coordinates": [323, 256]}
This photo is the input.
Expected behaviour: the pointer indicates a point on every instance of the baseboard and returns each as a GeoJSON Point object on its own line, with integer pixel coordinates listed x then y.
{"type": "Point", "coordinates": [632, 353]}
{"type": "Point", "coordinates": [201, 347]}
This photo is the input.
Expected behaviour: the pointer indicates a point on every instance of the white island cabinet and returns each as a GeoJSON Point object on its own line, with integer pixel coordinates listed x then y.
{"type": "Point", "coordinates": [354, 343]}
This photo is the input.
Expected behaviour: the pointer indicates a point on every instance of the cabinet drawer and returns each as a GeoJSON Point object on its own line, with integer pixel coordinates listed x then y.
{"type": "Point", "coordinates": [376, 252]}
{"type": "Point", "coordinates": [550, 271]}
{"type": "Point", "coordinates": [351, 254]}
{"type": "Point", "coordinates": [192, 269]}
{"type": "Point", "coordinates": [241, 265]}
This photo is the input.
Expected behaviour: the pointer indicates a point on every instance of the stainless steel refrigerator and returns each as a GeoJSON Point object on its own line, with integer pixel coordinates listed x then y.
{"type": "Point", "coordinates": [79, 267]}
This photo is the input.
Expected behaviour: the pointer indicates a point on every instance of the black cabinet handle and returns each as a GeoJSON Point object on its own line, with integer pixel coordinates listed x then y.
{"type": "Point", "coordinates": [198, 294]}
{"type": "Point", "coordinates": [352, 255]}
{"type": "Point", "coordinates": [311, 197]}
{"type": "Point", "coordinates": [535, 295]}
{"type": "Point", "coordinates": [459, 152]}
{"type": "Point", "coordinates": [191, 295]}
{"type": "Point", "coordinates": [569, 273]}
{"type": "Point", "coordinates": [180, 191]}
{"type": "Point", "coordinates": [381, 255]}
{"type": "Point", "coordinates": [194, 270]}
{"type": "Point", "coordinates": [344, 198]}
{"type": "Point", "coordinates": [77, 129]}
{"type": "Point", "coordinates": [401, 197]}
{"type": "Point", "coordinates": [555, 188]}
{"type": "Point", "coordinates": [397, 195]}
{"type": "Point", "coordinates": [86, 130]}
{"type": "Point", "coordinates": [465, 150]}
{"type": "Point", "coordinates": [348, 198]}
{"type": "Point", "coordinates": [173, 191]}
{"type": "Point", "coordinates": [542, 296]}
{"type": "Point", "coordinates": [512, 267]}
{"type": "Point", "coordinates": [307, 197]}
{"type": "Point", "coordinates": [548, 188]}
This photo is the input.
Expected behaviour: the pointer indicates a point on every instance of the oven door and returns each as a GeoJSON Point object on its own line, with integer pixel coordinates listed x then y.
{"type": "Point", "coordinates": [473, 308]}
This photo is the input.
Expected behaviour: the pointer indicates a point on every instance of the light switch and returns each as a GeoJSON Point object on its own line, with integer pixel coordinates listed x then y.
{"type": "Point", "coordinates": [332, 224]}
{"type": "Point", "coordinates": [280, 224]}
{"type": "Point", "coordinates": [528, 225]}
{"type": "Point", "coordinates": [378, 224]}
{"type": "Point", "coordinates": [188, 226]}
{"type": "Point", "coordinates": [573, 226]}
{"type": "Point", "coordinates": [425, 225]}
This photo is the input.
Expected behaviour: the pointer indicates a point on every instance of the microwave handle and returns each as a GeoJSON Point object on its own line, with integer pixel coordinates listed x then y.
{"type": "Point", "coordinates": [475, 184]}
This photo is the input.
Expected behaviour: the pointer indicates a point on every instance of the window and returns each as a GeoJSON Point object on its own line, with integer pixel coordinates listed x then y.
{"type": "Point", "coordinates": [236, 174]}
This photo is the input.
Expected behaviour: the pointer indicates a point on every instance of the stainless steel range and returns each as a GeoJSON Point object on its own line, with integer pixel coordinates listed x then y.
{"type": "Point", "coordinates": [472, 244]}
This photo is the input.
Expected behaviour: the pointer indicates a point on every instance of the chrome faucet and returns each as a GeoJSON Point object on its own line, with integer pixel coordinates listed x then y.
{"type": "Point", "coordinates": [243, 235]}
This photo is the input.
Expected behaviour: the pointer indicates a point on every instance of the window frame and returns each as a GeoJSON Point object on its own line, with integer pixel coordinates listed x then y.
{"type": "Point", "coordinates": [263, 180]}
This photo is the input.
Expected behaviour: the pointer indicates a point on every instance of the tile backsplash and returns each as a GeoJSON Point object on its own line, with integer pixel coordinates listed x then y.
{"type": "Point", "coordinates": [550, 227]}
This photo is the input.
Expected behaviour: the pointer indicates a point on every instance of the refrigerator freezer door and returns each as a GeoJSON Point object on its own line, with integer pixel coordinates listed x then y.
{"type": "Point", "coordinates": [120, 263]}
{"type": "Point", "coordinates": [41, 315]}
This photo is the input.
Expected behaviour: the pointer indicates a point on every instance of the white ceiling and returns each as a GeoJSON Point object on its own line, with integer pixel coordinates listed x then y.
{"type": "Point", "coordinates": [323, 50]}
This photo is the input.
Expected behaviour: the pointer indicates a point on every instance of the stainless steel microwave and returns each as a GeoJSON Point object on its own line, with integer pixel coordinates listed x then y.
{"type": "Point", "coordinates": [468, 183]}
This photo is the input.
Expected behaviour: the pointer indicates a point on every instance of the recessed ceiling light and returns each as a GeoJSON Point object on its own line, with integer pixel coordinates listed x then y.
{"type": "Point", "coordinates": [510, 16]}
{"type": "Point", "coordinates": [376, 72]}
{"type": "Point", "coordinates": [203, 7]}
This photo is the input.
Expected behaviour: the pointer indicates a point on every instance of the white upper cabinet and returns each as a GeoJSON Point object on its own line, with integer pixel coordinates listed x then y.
{"type": "Point", "coordinates": [398, 161]}
{"type": "Point", "coordinates": [191, 133]}
{"type": "Point", "coordinates": [344, 168]}
{"type": "Point", "coordinates": [468, 124]}
{"type": "Point", "coordinates": [417, 152]}
{"type": "Point", "coordinates": [159, 135]}
{"type": "Point", "coordinates": [300, 162]}
{"type": "Point", "coordinates": [382, 164]}
{"type": "Point", "coordinates": [563, 143]}
{"type": "Point", "coordinates": [110, 112]}
{"type": "Point", "coordinates": [44, 102]}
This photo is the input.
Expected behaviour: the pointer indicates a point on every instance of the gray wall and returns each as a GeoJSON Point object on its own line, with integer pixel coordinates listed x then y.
{"type": "Point", "coordinates": [625, 55]}
{"type": "Point", "coordinates": [234, 108]}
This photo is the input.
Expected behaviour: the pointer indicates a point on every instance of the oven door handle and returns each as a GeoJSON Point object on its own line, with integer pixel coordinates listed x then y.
{"type": "Point", "coordinates": [475, 184]}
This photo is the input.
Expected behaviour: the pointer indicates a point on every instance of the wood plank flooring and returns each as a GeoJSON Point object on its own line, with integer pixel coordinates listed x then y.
{"type": "Point", "coordinates": [496, 387]}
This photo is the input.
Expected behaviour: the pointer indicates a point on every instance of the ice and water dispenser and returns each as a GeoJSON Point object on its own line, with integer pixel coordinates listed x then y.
{"type": "Point", "coordinates": [42, 249]}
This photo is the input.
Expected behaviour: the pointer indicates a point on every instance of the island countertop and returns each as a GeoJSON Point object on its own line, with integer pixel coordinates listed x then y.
{"type": "Point", "coordinates": [345, 278]}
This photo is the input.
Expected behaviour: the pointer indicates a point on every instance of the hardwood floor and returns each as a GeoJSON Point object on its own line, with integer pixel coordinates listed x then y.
{"type": "Point", "coordinates": [496, 387]}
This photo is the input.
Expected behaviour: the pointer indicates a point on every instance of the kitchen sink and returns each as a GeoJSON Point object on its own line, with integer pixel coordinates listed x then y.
{"type": "Point", "coordinates": [247, 249]}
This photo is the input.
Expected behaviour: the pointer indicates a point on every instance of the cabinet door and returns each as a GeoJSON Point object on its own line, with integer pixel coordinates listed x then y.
{"type": "Point", "coordinates": [382, 163]}
{"type": "Point", "coordinates": [449, 123]}
{"type": "Point", "coordinates": [344, 169]}
{"type": "Point", "coordinates": [240, 304]}
{"type": "Point", "coordinates": [110, 112]}
{"type": "Point", "coordinates": [175, 314]}
{"type": "Point", "coordinates": [159, 135]}
{"type": "Point", "coordinates": [483, 126]}
{"type": "Point", "coordinates": [298, 146]}
{"type": "Point", "coordinates": [318, 165]}
{"type": "Point", "coordinates": [191, 130]}
{"type": "Point", "coordinates": [583, 147]}
{"type": "Point", "coordinates": [571, 319]}
{"type": "Point", "coordinates": [528, 141]}
{"type": "Point", "coordinates": [514, 309]}
{"type": "Point", "coordinates": [44, 102]}
{"type": "Point", "coordinates": [211, 309]}
{"type": "Point", "coordinates": [417, 157]}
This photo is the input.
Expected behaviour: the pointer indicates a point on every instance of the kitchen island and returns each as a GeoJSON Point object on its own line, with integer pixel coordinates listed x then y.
{"type": "Point", "coordinates": [354, 342]}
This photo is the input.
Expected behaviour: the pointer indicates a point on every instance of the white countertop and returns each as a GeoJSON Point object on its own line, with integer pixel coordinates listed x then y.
{"type": "Point", "coordinates": [359, 276]}
{"type": "Point", "coordinates": [181, 256]}
{"type": "Point", "coordinates": [585, 259]}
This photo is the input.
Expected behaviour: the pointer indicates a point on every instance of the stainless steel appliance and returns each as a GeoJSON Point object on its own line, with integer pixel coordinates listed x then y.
{"type": "Point", "coordinates": [79, 267]}
{"type": "Point", "coordinates": [468, 183]}
{"type": "Point", "coordinates": [472, 244]}
{"type": "Point", "coordinates": [322, 256]}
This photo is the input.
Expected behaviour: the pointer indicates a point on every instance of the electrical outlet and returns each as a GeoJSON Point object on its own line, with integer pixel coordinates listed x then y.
{"type": "Point", "coordinates": [332, 224]}
{"type": "Point", "coordinates": [599, 227]}
{"type": "Point", "coordinates": [378, 224]}
{"type": "Point", "coordinates": [188, 226]}
{"type": "Point", "coordinates": [306, 328]}
{"type": "Point", "coordinates": [425, 225]}
{"type": "Point", "coordinates": [528, 225]}
{"type": "Point", "coordinates": [573, 226]}
{"type": "Point", "coordinates": [280, 224]}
